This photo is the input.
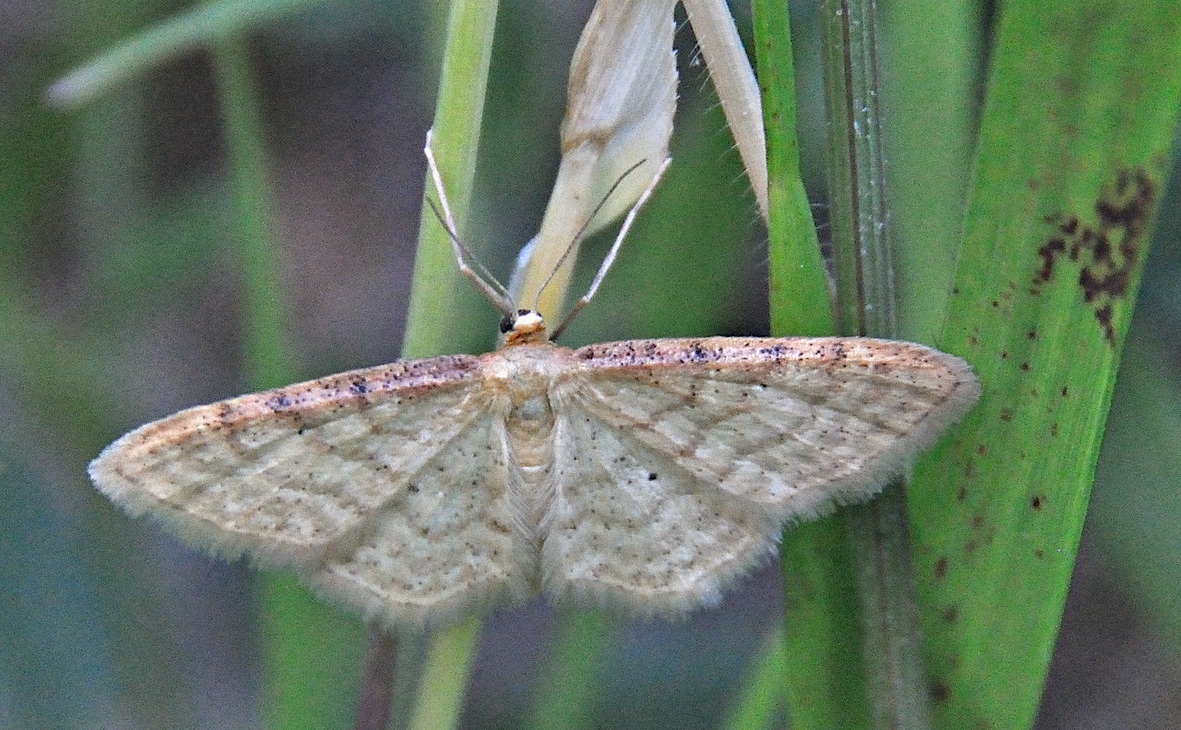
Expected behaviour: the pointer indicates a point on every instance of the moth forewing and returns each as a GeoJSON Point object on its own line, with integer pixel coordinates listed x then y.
{"type": "Point", "coordinates": [284, 473]}
{"type": "Point", "coordinates": [796, 425]}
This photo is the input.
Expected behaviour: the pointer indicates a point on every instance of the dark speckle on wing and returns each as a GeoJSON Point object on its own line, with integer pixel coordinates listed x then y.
{"type": "Point", "coordinates": [747, 353]}
{"type": "Point", "coordinates": [402, 380]}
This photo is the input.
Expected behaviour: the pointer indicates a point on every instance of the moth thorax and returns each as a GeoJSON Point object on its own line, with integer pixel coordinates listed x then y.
{"type": "Point", "coordinates": [530, 429]}
{"type": "Point", "coordinates": [533, 411]}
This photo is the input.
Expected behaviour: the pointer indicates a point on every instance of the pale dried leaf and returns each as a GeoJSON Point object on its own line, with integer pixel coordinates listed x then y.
{"type": "Point", "coordinates": [734, 79]}
{"type": "Point", "coordinates": [621, 97]}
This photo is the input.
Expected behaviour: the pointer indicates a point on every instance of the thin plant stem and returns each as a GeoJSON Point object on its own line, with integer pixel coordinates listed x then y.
{"type": "Point", "coordinates": [267, 360]}
{"type": "Point", "coordinates": [798, 283]}
{"type": "Point", "coordinates": [444, 678]}
{"type": "Point", "coordinates": [761, 702]}
{"type": "Point", "coordinates": [824, 683]}
{"type": "Point", "coordinates": [877, 531]}
{"type": "Point", "coordinates": [434, 323]}
{"type": "Point", "coordinates": [373, 706]}
{"type": "Point", "coordinates": [570, 681]}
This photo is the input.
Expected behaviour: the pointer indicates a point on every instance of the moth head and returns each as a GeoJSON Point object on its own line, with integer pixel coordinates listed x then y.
{"type": "Point", "coordinates": [523, 326]}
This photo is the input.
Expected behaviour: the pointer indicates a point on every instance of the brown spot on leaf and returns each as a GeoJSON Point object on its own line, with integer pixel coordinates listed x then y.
{"type": "Point", "coordinates": [1048, 252]}
{"type": "Point", "coordinates": [941, 567]}
{"type": "Point", "coordinates": [1039, 553]}
{"type": "Point", "coordinates": [1054, 428]}
{"type": "Point", "coordinates": [1036, 502]}
{"type": "Point", "coordinates": [1006, 414]}
{"type": "Point", "coordinates": [951, 614]}
{"type": "Point", "coordinates": [961, 494]}
{"type": "Point", "coordinates": [1106, 249]}
{"type": "Point", "coordinates": [1103, 315]}
{"type": "Point", "coordinates": [1102, 249]}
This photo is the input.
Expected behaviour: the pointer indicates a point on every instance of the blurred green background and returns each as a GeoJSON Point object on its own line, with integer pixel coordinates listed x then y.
{"type": "Point", "coordinates": [120, 301]}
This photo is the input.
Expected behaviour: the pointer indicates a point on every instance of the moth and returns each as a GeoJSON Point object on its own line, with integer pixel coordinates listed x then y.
{"type": "Point", "coordinates": [648, 475]}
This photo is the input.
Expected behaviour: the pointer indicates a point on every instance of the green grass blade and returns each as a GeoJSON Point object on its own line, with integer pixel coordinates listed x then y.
{"type": "Point", "coordinates": [878, 533]}
{"type": "Point", "coordinates": [570, 681]}
{"type": "Point", "coordinates": [444, 678]}
{"type": "Point", "coordinates": [851, 608]}
{"type": "Point", "coordinates": [1081, 109]}
{"type": "Point", "coordinates": [799, 286]}
{"type": "Point", "coordinates": [436, 321]}
{"type": "Point", "coordinates": [267, 358]}
{"type": "Point", "coordinates": [931, 58]}
{"type": "Point", "coordinates": [160, 43]}
{"type": "Point", "coordinates": [762, 700]}
{"type": "Point", "coordinates": [306, 645]}
{"type": "Point", "coordinates": [824, 680]}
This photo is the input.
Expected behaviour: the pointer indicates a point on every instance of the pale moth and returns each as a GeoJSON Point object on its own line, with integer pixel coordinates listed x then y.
{"type": "Point", "coordinates": [647, 475]}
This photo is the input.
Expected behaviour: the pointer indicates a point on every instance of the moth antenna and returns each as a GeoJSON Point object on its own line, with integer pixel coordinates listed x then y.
{"type": "Point", "coordinates": [482, 272]}
{"type": "Point", "coordinates": [609, 259]}
{"type": "Point", "coordinates": [492, 289]}
{"type": "Point", "coordinates": [582, 230]}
